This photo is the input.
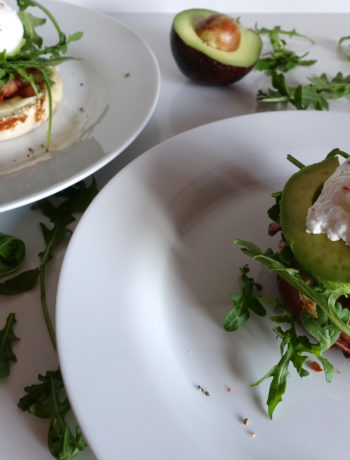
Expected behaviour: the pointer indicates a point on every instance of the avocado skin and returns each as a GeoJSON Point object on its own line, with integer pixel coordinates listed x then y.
{"type": "Point", "coordinates": [201, 68]}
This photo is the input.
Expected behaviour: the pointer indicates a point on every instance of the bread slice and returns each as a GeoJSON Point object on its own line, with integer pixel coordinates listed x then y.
{"type": "Point", "coordinates": [19, 115]}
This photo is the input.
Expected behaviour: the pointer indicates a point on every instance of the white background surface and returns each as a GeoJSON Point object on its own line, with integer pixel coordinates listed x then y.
{"type": "Point", "coordinates": [182, 105]}
{"type": "Point", "coordinates": [246, 6]}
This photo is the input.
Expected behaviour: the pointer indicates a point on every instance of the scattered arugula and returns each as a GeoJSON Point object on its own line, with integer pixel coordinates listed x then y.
{"type": "Point", "coordinates": [343, 39]}
{"type": "Point", "coordinates": [75, 200]}
{"type": "Point", "coordinates": [20, 283]}
{"type": "Point", "coordinates": [12, 252]}
{"type": "Point", "coordinates": [315, 94]}
{"type": "Point", "coordinates": [281, 58]}
{"type": "Point", "coordinates": [7, 336]}
{"type": "Point", "coordinates": [48, 399]}
{"type": "Point", "coordinates": [32, 55]}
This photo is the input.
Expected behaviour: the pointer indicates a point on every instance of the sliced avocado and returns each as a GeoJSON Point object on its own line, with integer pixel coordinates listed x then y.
{"type": "Point", "coordinates": [204, 63]}
{"type": "Point", "coordinates": [322, 258]}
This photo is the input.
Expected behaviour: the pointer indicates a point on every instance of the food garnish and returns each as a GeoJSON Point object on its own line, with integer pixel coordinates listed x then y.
{"type": "Point", "coordinates": [48, 398]}
{"type": "Point", "coordinates": [281, 58]}
{"type": "Point", "coordinates": [315, 94]}
{"type": "Point", "coordinates": [7, 336]}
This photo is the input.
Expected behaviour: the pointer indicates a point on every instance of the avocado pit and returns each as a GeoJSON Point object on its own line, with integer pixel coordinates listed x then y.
{"type": "Point", "coordinates": [219, 31]}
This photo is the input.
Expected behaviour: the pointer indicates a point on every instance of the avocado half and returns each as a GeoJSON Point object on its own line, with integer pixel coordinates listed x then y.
{"type": "Point", "coordinates": [327, 261]}
{"type": "Point", "coordinates": [206, 64]}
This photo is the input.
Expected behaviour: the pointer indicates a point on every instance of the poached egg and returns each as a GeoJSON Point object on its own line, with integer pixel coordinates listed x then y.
{"type": "Point", "coordinates": [330, 214]}
{"type": "Point", "coordinates": [11, 28]}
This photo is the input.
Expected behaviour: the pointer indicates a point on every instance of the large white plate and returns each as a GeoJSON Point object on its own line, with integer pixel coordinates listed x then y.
{"type": "Point", "coordinates": [108, 98]}
{"type": "Point", "coordinates": [145, 287]}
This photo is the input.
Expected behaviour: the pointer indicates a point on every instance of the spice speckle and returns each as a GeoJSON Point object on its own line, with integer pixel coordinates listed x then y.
{"type": "Point", "coordinates": [245, 421]}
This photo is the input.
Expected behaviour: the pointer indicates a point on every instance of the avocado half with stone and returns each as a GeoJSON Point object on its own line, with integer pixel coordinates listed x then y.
{"type": "Point", "coordinates": [204, 63]}
{"type": "Point", "coordinates": [326, 260]}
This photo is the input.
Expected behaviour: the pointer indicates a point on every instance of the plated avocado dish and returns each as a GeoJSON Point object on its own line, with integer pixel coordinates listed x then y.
{"type": "Point", "coordinates": [212, 48]}
{"type": "Point", "coordinates": [311, 215]}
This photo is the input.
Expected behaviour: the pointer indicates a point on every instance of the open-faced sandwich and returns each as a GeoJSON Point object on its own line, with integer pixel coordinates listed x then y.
{"type": "Point", "coordinates": [30, 86]}
{"type": "Point", "coordinates": [312, 263]}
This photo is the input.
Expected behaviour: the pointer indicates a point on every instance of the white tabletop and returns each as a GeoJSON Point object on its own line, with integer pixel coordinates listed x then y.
{"type": "Point", "coordinates": [182, 105]}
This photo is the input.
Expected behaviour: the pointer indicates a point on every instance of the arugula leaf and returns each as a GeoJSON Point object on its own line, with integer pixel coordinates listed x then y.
{"type": "Point", "coordinates": [48, 399]}
{"type": "Point", "coordinates": [326, 299]}
{"type": "Point", "coordinates": [20, 283]}
{"type": "Point", "coordinates": [76, 199]}
{"type": "Point", "coordinates": [321, 328]}
{"type": "Point", "coordinates": [7, 336]}
{"type": "Point", "coordinates": [274, 211]}
{"type": "Point", "coordinates": [239, 314]}
{"type": "Point", "coordinates": [30, 22]}
{"type": "Point", "coordinates": [293, 346]}
{"type": "Point", "coordinates": [12, 252]}
{"type": "Point", "coordinates": [292, 350]}
{"type": "Point", "coordinates": [315, 94]}
{"type": "Point", "coordinates": [281, 58]}
{"type": "Point", "coordinates": [343, 39]}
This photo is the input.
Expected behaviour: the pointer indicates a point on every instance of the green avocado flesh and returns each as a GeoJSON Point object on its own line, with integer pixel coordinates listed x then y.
{"type": "Point", "coordinates": [326, 260]}
{"type": "Point", "coordinates": [245, 56]}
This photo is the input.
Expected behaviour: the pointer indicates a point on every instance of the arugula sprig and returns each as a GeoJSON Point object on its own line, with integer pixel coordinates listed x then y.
{"type": "Point", "coordinates": [33, 41]}
{"type": "Point", "coordinates": [48, 399]}
{"type": "Point", "coordinates": [12, 252]}
{"type": "Point", "coordinates": [32, 55]}
{"type": "Point", "coordinates": [325, 298]}
{"type": "Point", "coordinates": [248, 300]}
{"type": "Point", "coordinates": [75, 200]}
{"type": "Point", "coordinates": [281, 58]}
{"type": "Point", "coordinates": [292, 348]}
{"type": "Point", "coordinates": [342, 40]}
{"type": "Point", "coordinates": [7, 337]}
{"type": "Point", "coordinates": [315, 94]}
{"type": "Point", "coordinates": [295, 349]}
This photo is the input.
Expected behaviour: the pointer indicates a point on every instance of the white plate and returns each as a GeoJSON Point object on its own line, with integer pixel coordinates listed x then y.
{"type": "Point", "coordinates": [102, 111]}
{"type": "Point", "coordinates": [145, 287]}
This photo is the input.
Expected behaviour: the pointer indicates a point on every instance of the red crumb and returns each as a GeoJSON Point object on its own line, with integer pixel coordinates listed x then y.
{"type": "Point", "coordinates": [314, 365]}
{"type": "Point", "coordinates": [345, 187]}
{"type": "Point", "coordinates": [206, 392]}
